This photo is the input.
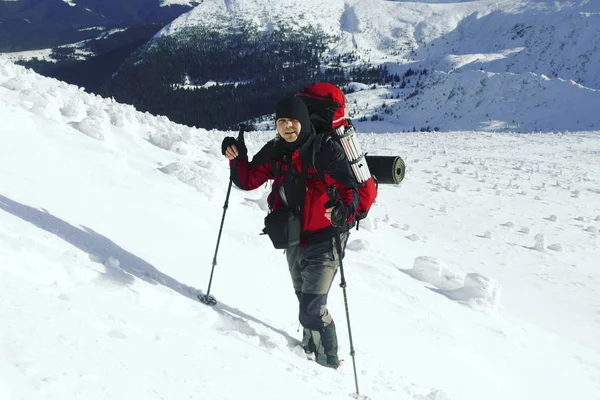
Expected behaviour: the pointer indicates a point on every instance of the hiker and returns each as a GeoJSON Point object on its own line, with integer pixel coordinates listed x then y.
{"type": "Point", "coordinates": [302, 219]}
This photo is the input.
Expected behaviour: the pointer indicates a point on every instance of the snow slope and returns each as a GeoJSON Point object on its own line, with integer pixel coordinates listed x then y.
{"type": "Point", "coordinates": [475, 278]}
{"type": "Point", "coordinates": [485, 100]}
{"type": "Point", "coordinates": [27, 55]}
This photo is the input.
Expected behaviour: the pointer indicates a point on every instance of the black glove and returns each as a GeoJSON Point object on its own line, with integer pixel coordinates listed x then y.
{"type": "Point", "coordinates": [230, 141]}
{"type": "Point", "coordinates": [339, 214]}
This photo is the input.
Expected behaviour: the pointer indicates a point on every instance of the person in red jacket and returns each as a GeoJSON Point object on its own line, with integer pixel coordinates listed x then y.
{"type": "Point", "coordinates": [303, 220]}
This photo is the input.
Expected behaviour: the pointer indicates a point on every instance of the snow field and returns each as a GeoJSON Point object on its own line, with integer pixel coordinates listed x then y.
{"type": "Point", "coordinates": [107, 241]}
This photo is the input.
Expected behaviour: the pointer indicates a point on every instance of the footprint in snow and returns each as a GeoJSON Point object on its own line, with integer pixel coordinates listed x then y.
{"type": "Point", "coordinates": [413, 237]}
{"type": "Point", "coordinates": [116, 334]}
{"type": "Point", "coordinates": [556, 247]}
{"type": "Point", "coordinates": [486, 235]}
{"type": "Point", "coordinates": [240, 328]}
{"type": "Point", "coordinates": [433, 395]}
{"type": "Point", "coordinates": [358, 245]}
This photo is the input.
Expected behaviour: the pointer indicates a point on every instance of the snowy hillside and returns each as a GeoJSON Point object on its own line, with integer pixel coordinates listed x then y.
{"type": "Point", "coordinates": [38, 24]}
{"type": "Point", "coordinates": [560, 42]}
{"type": "Point", "coordinates": [558, 39]}
{"type": "Point", "coordinates": [475, 278]}
{"type": "Point", "coordinates": [485, 100]}
{"type": "Point", "coordinates": [542, 54]}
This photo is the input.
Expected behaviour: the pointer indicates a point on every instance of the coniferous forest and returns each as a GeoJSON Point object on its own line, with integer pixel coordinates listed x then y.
{"type": "Point", "coordinates": [94, 72]}
{"type": "Point", "coordinates": [247, 71]}
{"type": "Point", "coordinates": [207, 78]}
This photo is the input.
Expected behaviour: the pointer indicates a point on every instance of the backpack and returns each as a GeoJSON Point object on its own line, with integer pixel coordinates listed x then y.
{"type": "Point", "coordinates": [326, 105]}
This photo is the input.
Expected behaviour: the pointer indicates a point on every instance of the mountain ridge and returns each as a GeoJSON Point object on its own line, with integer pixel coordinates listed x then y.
{"type": "Point", "coordinates": [555, 42]}
{"type": "Point", "coordinates": [38, 24]}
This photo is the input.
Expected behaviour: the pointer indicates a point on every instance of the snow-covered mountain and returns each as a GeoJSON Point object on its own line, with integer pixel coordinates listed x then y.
{"type": "Point", "coordinates": [511, 64]}
{"type": "Point", "coordinates": [484, 100]}
{"type": "Point", "coordinates": [475, 278]}
{"type": "Point", "coordinates": [557, 39]}
{"type": "Point", "coordinates": [39, 24]}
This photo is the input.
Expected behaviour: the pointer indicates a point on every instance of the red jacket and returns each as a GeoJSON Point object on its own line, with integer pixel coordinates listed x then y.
{"type": "Point", "coordinates": [319, 164]}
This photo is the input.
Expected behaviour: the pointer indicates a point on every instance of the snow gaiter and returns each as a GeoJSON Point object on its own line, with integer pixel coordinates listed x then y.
{"type": "Point", "coordinates": [330, 345]}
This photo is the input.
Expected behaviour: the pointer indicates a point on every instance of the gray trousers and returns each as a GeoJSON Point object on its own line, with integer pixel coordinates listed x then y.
{"type": "Point", "coordinates": [313, 269]}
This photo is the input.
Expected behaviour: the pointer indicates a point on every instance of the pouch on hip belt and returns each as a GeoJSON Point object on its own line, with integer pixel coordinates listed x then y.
{"type": "Point", "coordinates": [283, 228]}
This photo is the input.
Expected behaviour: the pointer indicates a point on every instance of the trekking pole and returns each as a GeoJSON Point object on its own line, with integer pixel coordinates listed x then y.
{"type": "Point", "coordinates": [207, 298]}
{"type": "Point", "coordinates": [334, 198]}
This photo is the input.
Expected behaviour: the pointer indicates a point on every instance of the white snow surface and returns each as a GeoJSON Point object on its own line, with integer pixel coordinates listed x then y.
{"type": "Point", "coordinates": [43, 54]}
{"type": "Point", "coordinates": [477, 277]}
{"type": "Point", "coordinates": [164, 3]}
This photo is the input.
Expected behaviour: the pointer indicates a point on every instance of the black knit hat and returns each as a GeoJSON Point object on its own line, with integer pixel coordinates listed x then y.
{"type": "Point", "coordinates": [294, 108]}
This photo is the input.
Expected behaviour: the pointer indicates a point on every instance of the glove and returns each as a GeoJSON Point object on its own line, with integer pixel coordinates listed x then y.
{"type": "Point", "coordinates": [230, 141]}
{"type": "Point", "coordinates": [339, 214]}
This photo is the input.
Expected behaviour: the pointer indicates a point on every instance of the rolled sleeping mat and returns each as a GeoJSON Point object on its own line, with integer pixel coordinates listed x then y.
{"type": "Point", "coordinates": [386, 169]}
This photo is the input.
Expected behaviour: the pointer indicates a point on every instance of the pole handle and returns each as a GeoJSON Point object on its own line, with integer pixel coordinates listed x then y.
{"type": "Point", "coordinates": [240, 137]}
{"type": "Point", "coordinates": [334, 197]}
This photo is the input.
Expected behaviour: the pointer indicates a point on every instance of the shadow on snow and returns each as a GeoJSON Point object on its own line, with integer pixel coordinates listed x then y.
{"type": "Point", "coordinates": [101, 249]}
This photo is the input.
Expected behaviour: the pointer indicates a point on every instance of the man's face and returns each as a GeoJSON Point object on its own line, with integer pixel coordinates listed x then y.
{"type": "Point", "coordinates": [288, 129]}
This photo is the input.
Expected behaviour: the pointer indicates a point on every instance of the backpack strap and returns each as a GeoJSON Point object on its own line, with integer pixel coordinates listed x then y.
{"type": "Point", "coordinates": [276, 170]}
{"type": "Point", "coordinates": [302, 175]}
{"type": "Point", "coordinates": [277, 189]}
{"type": "Point", "coordinates": [318, 143]}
